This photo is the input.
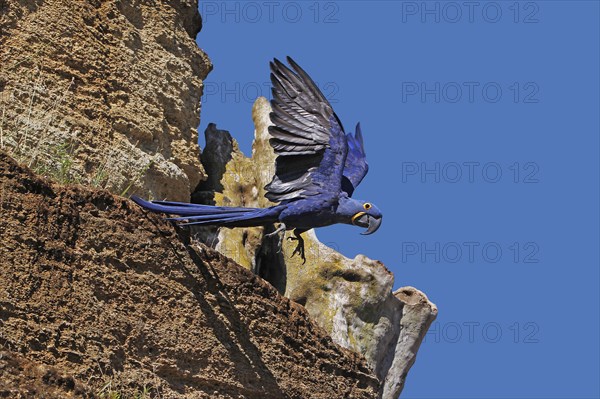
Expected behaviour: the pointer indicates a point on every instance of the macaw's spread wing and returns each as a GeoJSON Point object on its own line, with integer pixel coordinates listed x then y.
{"type": "Point", "coordinates": [356, 167]}
{"type": "Point", "coordinates": [307, 136]}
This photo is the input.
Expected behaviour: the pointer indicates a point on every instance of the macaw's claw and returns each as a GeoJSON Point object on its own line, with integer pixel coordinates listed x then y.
{"type": "Point", "coordinates": [300, 247]}
{"type": "Point", "coordinates": [280, 229]}
{"type": "Point", "coordinates": [300, 251]}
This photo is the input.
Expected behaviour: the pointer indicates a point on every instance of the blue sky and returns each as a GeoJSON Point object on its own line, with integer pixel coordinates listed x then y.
{"type": "Point", "coordinates": [481, 125]}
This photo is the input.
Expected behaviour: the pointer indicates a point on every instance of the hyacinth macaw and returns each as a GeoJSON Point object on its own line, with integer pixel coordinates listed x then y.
{"type": "Point", "coordinates": [317, 169]}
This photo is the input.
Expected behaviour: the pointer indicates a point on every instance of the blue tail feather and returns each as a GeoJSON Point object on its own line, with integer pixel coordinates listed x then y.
{"type": "Point", "coordinates": [197, 214]}
{"type": "Point", "coordinates": [208, 217]}
{"type": "Point", "coordinates": [182, 208]}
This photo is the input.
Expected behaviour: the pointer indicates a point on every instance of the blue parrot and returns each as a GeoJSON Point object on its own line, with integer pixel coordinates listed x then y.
{"type": "Point", "coordinates": [317, 169]}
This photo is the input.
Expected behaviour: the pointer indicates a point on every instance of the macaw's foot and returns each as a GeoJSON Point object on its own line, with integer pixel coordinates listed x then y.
{"type": "Point", "coordinates": [300, 247]}
{"type": "Point", "coordinates": [280, 229]}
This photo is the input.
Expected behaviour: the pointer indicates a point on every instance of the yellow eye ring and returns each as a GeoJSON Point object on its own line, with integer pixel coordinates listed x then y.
{"type": "Point", "coordinates": [367, 206]}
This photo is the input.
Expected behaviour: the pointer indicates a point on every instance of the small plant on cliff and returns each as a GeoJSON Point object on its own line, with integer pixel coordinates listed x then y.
{"type": "Point", "coordinates": [110, 392]}
{"type": "Point", "coordinates": [137, 178]}
{"type": "Point", "coordinates": [33, 133]}
{"type": "Point", "coordinates": [26, 137]}
{"type": "Point", "coordinates": [59, 165]}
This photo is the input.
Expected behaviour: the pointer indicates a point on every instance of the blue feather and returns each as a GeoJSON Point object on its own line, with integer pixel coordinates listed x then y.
{"type": "Point", "coordinates": [197, 214]}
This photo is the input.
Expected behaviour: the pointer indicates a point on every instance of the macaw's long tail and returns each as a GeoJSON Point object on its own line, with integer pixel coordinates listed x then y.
{"type": "Point", "coordinates": [203, 215]}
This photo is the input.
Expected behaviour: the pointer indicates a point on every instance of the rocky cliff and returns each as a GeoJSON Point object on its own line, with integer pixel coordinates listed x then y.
{"type": "Point", "coordinates": [98, 297]}
{"type": "Point", "coordinates": [110, 87]}
{"type": "Point", "coordinates": [351, 299]}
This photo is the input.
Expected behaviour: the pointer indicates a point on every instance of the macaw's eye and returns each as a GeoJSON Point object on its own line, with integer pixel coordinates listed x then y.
{"type": "Point", "coordinates": [367, 206]}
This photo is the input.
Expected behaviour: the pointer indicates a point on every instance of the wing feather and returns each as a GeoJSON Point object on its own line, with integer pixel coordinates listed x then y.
{"type": "Point", "coordinates": [307, 137]}
{"type": "Point", "coordinates": [355, 166]}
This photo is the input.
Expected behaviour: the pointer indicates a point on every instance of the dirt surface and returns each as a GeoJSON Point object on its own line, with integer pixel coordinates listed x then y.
{"type": "Point", "coordinates": [22, 378]}
{"type": "Point", "coordinates": [98, 296]}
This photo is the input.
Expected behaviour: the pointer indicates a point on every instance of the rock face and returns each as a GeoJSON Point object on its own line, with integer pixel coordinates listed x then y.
{"type": "Point", "coordinates": [95, 293]}
{"type": "Point", "coordinates": [351, 299]}
{"type": "Point", "coordinates": [110, 87]}
{"type": "Point", "coordinates": [98, 296]}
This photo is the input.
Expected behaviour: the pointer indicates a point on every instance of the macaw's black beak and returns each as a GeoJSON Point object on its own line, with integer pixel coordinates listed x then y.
{"type": "Point", "coordinates": [364, 220]}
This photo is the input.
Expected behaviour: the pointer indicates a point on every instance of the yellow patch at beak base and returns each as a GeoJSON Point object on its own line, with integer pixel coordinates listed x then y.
{"type": "Point", "coordinates": [359, 214]}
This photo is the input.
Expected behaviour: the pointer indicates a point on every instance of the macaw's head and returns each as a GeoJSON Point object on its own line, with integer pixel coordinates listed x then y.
{"type": "Point", "coordinates": [359, 213]}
